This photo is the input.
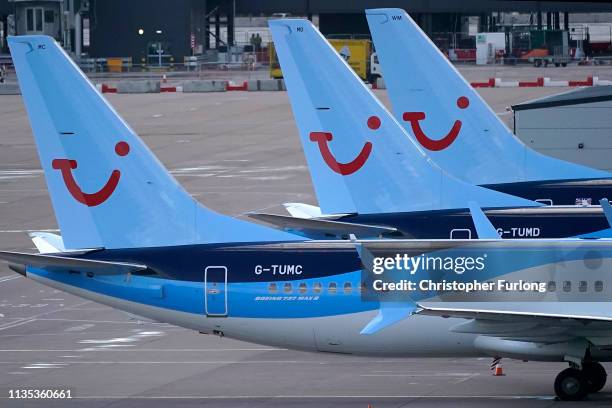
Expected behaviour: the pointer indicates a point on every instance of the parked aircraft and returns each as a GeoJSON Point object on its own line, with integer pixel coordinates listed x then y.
{"type": "Point", "coordinates": [443, 113]}
{"type": "Point", "coordinates": [372, 179]}
{"type": "Point", "coordinates": [133, 239]}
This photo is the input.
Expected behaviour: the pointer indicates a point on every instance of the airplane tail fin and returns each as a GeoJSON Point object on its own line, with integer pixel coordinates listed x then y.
{"type": "Point", "coordinates": [447, 117]}
{"type": "Point", "coordinates": [107, 188]}
{"type": "Point", "coordinates": [360, 158]}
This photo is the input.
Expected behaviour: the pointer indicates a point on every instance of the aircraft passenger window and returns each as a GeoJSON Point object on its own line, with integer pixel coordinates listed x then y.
{"type": "Point", "coordinates": [273, 288]}
{"type": "Point", "coordinates": [302, 288]}
{"type": "Point", "coordinates": [552, 286]}
{"type": "Point", "coordinates": [582, 286]}
{"type": "Point", "coordinates": [348, 288]}
{"type": "Point", "coordinates": [362, 287]}
{"type": "Point", "coordinates": [317, 287]}
{"type": "Point", "coordinates": [287, 288]}
{"type": "Point", "coordinates": [567, 286]}
{"type": "Point", "coordinates": [332, 288]}
{"type": "Point", "coordinates": [598, 286]}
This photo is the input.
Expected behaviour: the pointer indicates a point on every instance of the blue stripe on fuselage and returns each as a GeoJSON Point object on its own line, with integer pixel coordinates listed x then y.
{"type": "Point", "coordinates": [250, 295]}
{"type": "Point", "coordinates": [439, 225]}
{"type": "Point", "coordinates": [244, 299]}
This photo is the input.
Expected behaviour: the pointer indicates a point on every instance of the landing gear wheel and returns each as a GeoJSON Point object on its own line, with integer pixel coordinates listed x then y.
{"type": "Point", "coordinates": [596, 376]}
{"type": "Point", "coordinates": [571, 385]}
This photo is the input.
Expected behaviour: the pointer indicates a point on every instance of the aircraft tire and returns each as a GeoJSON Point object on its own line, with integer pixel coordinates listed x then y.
{"type": "Point", "coordinates": [596, 376]}
{"type": "Point", "coordinates": [571, 385]}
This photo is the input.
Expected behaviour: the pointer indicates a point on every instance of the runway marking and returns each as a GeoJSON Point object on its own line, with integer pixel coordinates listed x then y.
{"type": "Point", "coordinates": [31, 230]}
{"type": "Point", "coordinates": [10, 278]}
{"type": "Point", "coordinates": [144, 350]}
{"type": "Point", "coordinates": [20, 172]}
{"type": "Point", "coordinates": [202, 362]}
{"type": "Point", "coordinates": [19, 323]}
{"type": "Point", "coordinates": [419, 375]}
{"type": "Point", "coordinates": [265, 178]}
{"type": "Point", "coordinates": [79, 328]}
{"type": "Point", "coordinates": [44, 365]}
{"type": "Point", "coordinates": [26, 320]}
{"type": "Point", "coordinates": [17, 177]}
{"type": "Point", "coordinates": [248, 192]}
{"type": "Point", "coordinates": [469, 377]}
{"type": "Point", "coordinates": [318, 397]}
{"type": "Point", "coordinates": [89, 321]}
{"type": "Point", "coordinates": [274, 169]}
{"type": "Point", "coordinates": [61, 334]}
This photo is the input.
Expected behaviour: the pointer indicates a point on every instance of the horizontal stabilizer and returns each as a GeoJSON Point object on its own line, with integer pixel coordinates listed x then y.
{"type": "Point", "coordinates": [65, 263]}
{"type": "Point", "coordinates": [47, 243]}
{"type": "Point", "coordinates": [317, 228]}
{"type": "Point", "coordinates": [300, 210]}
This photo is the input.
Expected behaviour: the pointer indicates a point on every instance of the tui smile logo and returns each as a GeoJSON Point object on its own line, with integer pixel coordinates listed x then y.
{"type": "Point", "coordinates": [65, 166]}
{"type": "Point", "coordinates": [345, 169]}
{"type": "Point", "coordinates": [435, 144]}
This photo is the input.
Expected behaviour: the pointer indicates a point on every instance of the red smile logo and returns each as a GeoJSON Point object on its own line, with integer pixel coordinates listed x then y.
{"type": "Point", "coordinates": [90, 199]}
{"type": "Point", "coordinates": [344, 168]}
{"type": "Point", "coordinates": [431, 144]}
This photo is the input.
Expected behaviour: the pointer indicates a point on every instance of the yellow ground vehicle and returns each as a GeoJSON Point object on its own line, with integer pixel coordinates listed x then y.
{"type": "Point", "coordinates": [356, 52]}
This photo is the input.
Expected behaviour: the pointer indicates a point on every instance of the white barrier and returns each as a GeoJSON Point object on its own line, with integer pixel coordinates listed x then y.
{"type": "Point", "coordinates": [129, 87]}
{"type": "Point", "coordinates": [204, 86]}
{"type": "Point", "coordinates": [9, 89]}
{"type": "Point", "coordinates": [265, 85]}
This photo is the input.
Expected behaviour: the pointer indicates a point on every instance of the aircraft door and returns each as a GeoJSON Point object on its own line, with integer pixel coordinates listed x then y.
{"type": "Point", "coordinates": [215, 291]}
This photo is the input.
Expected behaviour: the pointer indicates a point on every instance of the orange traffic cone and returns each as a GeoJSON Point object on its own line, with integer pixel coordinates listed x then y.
{"type": "Point", "coordinates": [499, 371]}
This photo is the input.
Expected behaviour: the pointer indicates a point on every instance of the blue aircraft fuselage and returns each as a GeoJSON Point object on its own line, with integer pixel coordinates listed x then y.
{"type": "Point", "coordinates": [310, 295]}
